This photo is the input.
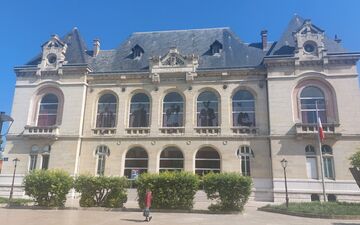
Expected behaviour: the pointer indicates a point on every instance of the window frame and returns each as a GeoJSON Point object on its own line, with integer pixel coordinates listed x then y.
{"type": "Point", "coordinates": [170, 159]}
{"type": "Point", "coordinates": [206, 170]}
{"type": "Point", "coordinates": [132, 110]}
{"type": "Point", "coordinates": [39, 108]}
{"type": "Point", "coordinates": [181, 113]}
{"type": "Point", "coordinates": [101, 152]}
{"type": "Point", "coordinates": [235, 119]}
{"type": "Point", "coordinates": [215, 110]}
{"type": "Point", "coordinates": [114, 113]}
{"type": "Point", "coordinates": [141, 169]}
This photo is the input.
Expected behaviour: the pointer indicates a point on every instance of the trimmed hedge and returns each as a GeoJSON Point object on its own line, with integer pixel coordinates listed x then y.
{"type": "Point", "coordinates": [48, 187]}
{"type": "Point", "coordinates": [170, 190]}
{"type": "Point", "coordinates": [230, 190]}
{"type": "Point", "coordinates": [101, 191]}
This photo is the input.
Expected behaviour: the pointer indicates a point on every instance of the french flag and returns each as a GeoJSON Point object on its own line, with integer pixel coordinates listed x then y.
{"type": "Point", "coordinates": [320, 130]}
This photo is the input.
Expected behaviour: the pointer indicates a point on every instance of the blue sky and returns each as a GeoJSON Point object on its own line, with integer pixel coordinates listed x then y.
{"type": "Point", "coordinates": [25, 25]}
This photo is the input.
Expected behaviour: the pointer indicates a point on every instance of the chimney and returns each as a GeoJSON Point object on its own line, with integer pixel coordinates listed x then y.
{"type": "Point", "coordinates": [96, 47]}
{"type": "Point", "coordinates": [264, 39]}
{"type": "Point", "coordinates": [338, 40]}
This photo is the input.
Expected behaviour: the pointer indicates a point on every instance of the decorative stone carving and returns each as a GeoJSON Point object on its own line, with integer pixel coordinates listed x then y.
{"type": "Point", "coordinates": [309, 41]}
{"type": "Point", "coordinates": [173, 62]}
{"type": "Point", "coordinates": [53, 56]}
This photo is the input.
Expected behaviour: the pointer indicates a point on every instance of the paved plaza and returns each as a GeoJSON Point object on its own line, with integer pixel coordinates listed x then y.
{"type": "Point", "coordinates": [101, 217]}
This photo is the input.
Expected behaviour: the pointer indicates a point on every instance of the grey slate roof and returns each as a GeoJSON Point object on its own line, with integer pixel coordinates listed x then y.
{"type": "Point", "coordinates": [235, 53]}
{"type": "Point", "coordinates": [76, 49]}
{"type": "Point", "coordinates": [286, 44]}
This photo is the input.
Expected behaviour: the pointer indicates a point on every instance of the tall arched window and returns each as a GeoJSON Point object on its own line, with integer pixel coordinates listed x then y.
{"type": "Point", "coordinates": [102, 152]}
{"type": "Point", "coordinates": [136, 162]}
{"type": "Point", "coordinates": [48, 110]}
{"type": "Point", "coordinates": [45, 157]}
{"type": "Point", "coordinates": [207, 110]}
{"type": "Point", "coordinates": [171, 159]}
{"type": "Point", "coordinates": [312, 97]}
{"type": "Point", "coordinates": [106, 112]}
{"type": "Point", "coordinates": [245, 153]}
{"type": "Point", "coordinates": [328, 161]}
{"type": "Point", "coordinates": [243, 109]}
{"type": "Point", "coordinates": [139, 111]}
{"type": "Point", "coordinates": [33, 157]}
{"type": "Point", "coordinates": [207, 160]}
{"type": "Point", "coordinates": [311, 163]}
{"type": "Point", "coordinates": [173, 108]}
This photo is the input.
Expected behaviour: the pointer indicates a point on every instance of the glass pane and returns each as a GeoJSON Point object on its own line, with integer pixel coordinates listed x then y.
{"type": "Point", "coordinates": [207, 109]}
{"type": "Point", "coordinates": [139, 111]}
{"type": "Point", "coordinates": [173, 110]}
{"type": "Point", "coordinates": [49, 98]}
{"type": "Point", "coordinates": [45, 162]}
{"type": "Point", "coordinates": [213, 164]}
{"type": "Point", "coordinates": [127, 172]}
{"type": "Point", "coordinates": [46, 120]}
{"type": "Point", "coordinates": [136, 163]}
{"type": "Point", "coordinates": [207, 153]}
{"type": "Point", "coordinates": [136, 153]}
{"type": "Point", "coordinates": [245, 165]}
{"type": "Point", "coordinates": [33, 160]}
{"type": "Point", "coordinates": [101, 165]}
{"type": "Point", "coordinates": [171, 152]}
{"type": "Point", "coordinates": [172, 163]}
{"type": "Point", "coordinates": [311, 91]}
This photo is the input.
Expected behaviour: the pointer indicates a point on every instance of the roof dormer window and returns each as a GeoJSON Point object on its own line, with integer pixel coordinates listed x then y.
{"type": "Point", "coordinates": [216, 47]}
{"type": "Point", "coordinates": [137, 52]}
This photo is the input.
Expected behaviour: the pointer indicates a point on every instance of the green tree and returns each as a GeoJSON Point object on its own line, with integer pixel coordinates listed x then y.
{"type": "Point", "coordinates": [355, 159]}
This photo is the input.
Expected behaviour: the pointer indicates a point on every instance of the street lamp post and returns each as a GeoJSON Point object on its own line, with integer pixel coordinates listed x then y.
{"type": "Point", "coordinates": [284, 165]}
{"type": "Point", "coordinates": [16, 160]}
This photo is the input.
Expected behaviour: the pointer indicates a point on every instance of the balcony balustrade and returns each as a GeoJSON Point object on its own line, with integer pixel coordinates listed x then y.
{"type": "Point", "coordinates": [41, 131]}
{"type": "Point", "coordinates": [208, 130]}
{"type": "Point", "coordinates": [172, 130]}
{"type": "Point", "coordinates": [245, 130]}
{"type": "Point", "coordinates": [104, 131]}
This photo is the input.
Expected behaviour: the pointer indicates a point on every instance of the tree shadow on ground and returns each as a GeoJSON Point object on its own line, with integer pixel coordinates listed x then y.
{"type": "Point", "coordinates": [346, 223]}
{"type": "Point", "coordinates": [133, 220]}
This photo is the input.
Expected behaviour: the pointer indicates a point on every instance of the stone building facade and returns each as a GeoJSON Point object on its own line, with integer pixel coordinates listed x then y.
{"type": "Point", "coordinates": [194, 100]}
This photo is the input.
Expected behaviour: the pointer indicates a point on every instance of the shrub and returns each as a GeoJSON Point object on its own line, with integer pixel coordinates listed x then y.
{"type": "Point", "coordinates": [355, 159]}
{"type": "Point", "coordinates": [170, 190]}
{"type": "Point", "coordinates": [101, 191]}
{"type": "Point", "coordinates": [230, 190]}
{"type": "Point", "coordinates": [48, 187]}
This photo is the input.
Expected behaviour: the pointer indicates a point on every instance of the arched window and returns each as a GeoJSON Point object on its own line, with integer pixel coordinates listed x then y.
{"type": "Point", "coordinates": [207, 160]}
{"type": "Point", "coordinates": [106, 112]}
{"type": "Point", "coordinates": [245, 153]}
{"type": "Point", "coordinates": [312, 97]}
{"type": "Point", "coordinates": [328, 161]}
{"type": "Point", "coordinates": [48, 110]}
{"type": "Point", "coordinates": [311, 163]}
{"type": "Point", "coordinates": [243, 109]}
{"type": "Point", "coordinates": [45, 157]}
{"type": "Point", "coordinates": [173, 110]}
{"type": "Point", "coordinates": [33, 157]}
{"type": "Point", "coordinates": [171, 159]}
{"type": "Point", "coordinates": [207, 110]}
{"type": "Point", "coordinates": [136, 162]}
{"type": "Point", "coordinates": [102, 152]}
{"type": "Point", "coordinates": [139, 110]}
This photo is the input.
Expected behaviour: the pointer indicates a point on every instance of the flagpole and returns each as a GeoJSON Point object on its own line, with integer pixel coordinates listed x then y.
{"type": "Point", "coordinates": [320, 150]}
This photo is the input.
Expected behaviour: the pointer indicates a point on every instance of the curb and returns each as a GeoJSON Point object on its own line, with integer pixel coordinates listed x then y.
{"type": "Point", "coordinates": [309, 215]}
{"type": "Point", "coordinates": [196, 211]}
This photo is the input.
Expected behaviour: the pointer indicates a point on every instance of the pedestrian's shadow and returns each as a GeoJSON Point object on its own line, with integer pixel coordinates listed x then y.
{"type": "Point", "coordinates": [133, 220]}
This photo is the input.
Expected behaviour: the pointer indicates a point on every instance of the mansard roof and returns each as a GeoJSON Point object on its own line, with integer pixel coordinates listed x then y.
{"type": "Point", "coordinates": [76, 49]}
{"type": "Point", "coordinates": [286, 43]}
{"type": "Point", "coordinates": [234, 53]}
